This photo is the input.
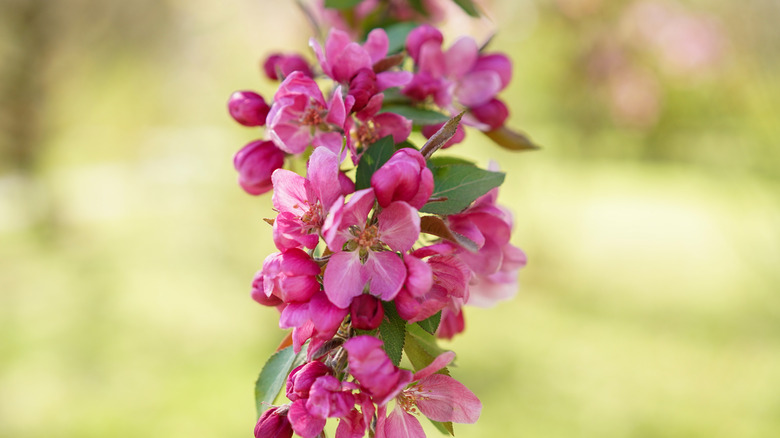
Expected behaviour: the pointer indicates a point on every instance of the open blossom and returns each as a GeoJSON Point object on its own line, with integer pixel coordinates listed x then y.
{"type": "Point", "coordinates": [437, 396]}
{"type": "Point", "coordinates": [300, 116]}
{"type": "Point", "coordinates": [364, 252]}
{"type": "Point", "coordinates": [303, 203]}
{"type": "Point", "coordinates": [369, 125]}
{"type": "Point", "coordinates": [316, 319]}
{"type": "Point", "coordinates": [278, 66]}
{"type": "Point", "coordinates": [255, 163]}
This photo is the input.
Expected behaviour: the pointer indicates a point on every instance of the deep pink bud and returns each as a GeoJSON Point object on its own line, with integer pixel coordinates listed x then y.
{"type": "Point", "coordinates": [248, 108]}
{"type": "Point", "coordinates": [301, 378]}
{"type": "Point", "coordinates": [273, 424]}
{"type": "Point", "coordinates": [404, 177]}
{"type": "Point", "coordinates": [255, 163]}
{"type": "Point", "coordinates": [367, 312]}
{"type": "Point", "coordinates": [278, 66]}
{"type": "Point", "coordinates": [362, 87]}
{"type": "Point", "coordinates": [451, 323]}
{"type": "Point", "coordinates": [419, 36]}
{"type": "Point", "coordinates": [460, 134]}
{"type": "Point", "coordinates": [291, 275]}
{"type": "Point", "coordinates": [493, 113]}
{"type": "Point", "coordinates": [258, 292]}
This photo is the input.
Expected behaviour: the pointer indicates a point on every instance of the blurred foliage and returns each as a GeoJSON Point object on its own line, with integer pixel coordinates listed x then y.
{"type": "Point", "coordinates": [649, 307]}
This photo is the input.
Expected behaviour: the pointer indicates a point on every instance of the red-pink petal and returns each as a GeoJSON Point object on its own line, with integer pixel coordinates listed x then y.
{"type": "Point", "coordinates": [344, 278]}
{"type": "Point", "coordinates": [290, 192]}
{"type": "Point", "coordinates": [440, 362]}
{"type": "Point", "coordinates": [399, 226]}
{"type": "Point", "coordinates": [461, 56]}
{"type": "Point", "coordinates": [322, 170]}
{"type": "Point", "coordinates": [477, 88]}
{"type": "Point", "coordinates": [401, 424]}
{"type": "Point", "coordinates": [386, 272]}
{"type": "Point", "coordinates": [376, 44]}
{"type": "Point", "coordinates": [303, 423]}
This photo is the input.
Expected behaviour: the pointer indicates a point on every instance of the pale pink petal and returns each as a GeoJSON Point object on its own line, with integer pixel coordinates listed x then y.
{"type": "Point", "coordinates": [476, 88]}
{"type": "Point", "coordinates": [399, 226]}
{"type": "Point", "coordinates": [351, 426]}
{"type": "Point", "coordinates": [333, 141]}
{"type": "Point", "coordinates": [294, 315]}
{"type": "Point", "coordinates": [376, 44]}
{"type": "Point", "coordinates": [419, 277]}
{"type": "Point", "coordinates": [325, 316]}
{"type": "Point", "coordinates": [334, 234]}
{"type": "Point", "coordinates": [497, 62]}
{"type": "Point", "coordinates": [346, 64]}
{"type": "Point", "coordinates": [318, 52]}
{"type": "Point", "coordinates": [401, 424]}
{"type": "Point", "coordinates": [289, 232]}
{"type": "Point", "coordinates": [440, 362]}
{"type": "Point", "coordinates": [432, 59]}
{"type": "Point", "coordinates": [345, 278]}
{"type": "Point", "coordinates": [322, 170]}
{"type": "Point", "coordinates": [487, 291]}
{"type": "Point", "coordinates": [393, 124]}
{"type": "Point", "coordinates": [357, 208]}
{"type": "Point", "coordinates": [419, 36]}
{"type": "Point", "coordinates": [335, 43]}
{"type": "Point", "coordinates": [390, 79]}
{"type": "Point", "coordinates": [445, 399]}
{"type": "Point", "coordinates": [337, 112]}
{"type": "Point", "coordinates": [386, 272]}
{"type": "Point", "coordinates": [461, 56]}
{"type": "Point", "coordinates": [290, 194]}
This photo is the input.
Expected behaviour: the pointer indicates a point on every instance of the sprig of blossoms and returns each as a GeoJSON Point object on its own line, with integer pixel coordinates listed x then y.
{"type": "Point", "coordinates": [380, 244]}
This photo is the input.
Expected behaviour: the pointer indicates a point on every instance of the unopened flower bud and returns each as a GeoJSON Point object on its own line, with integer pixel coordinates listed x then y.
{"type": "Point", "coordinates": [278, 66]}
{"type": "Point", "coordinates": [493, 113]}
{"type": "Point", "coordinates": [367, 312]}
{"type": "Point", "coordinates": [255, 163]}
{"type": "Point", "coordinates": [362, 87]}
{"type": "Point", "coordinates": [274, 424]}
{"type": "Point", "coordinates": [258, 292]}
{"type": "Point", "coordinates": [301, 378]}
{"type": "Point", "coordinates": [248, 108]}
{"type": "Point", "coordinates": [404, 177]}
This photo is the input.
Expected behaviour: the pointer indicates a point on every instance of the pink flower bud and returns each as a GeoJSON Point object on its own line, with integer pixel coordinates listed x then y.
{"type": "Point", "coordinates": [258, 292]}
{"type": "Point", "coordinates": [460, 134]}
{"type": "Point", "coordinates": [248, 108]}
{"type": "Point", "coordinates": [404, 177]}
{"type": "Point", "coordinates": [419, 36]}
{"type": "Point", "coordinates": [273, 424]}
{"type": "Point", "coordinates": [493, 113]}
{"type": "Point", "coordinates": [301, 378]}
{"type": "Point", "coordinates": [362, 87]}
{"type": "Point", "coordinates": [255, 163]}
{"type": "Point", "coordinates": [291, 275]}
{"type": "Point", "coordinates": [278, 66]}
{"type": "Point", "coordinates": [367, 312]}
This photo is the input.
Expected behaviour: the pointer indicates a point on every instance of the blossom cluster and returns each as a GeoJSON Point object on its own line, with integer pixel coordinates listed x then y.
{"type": "Point", "coordinates": [380, 246]}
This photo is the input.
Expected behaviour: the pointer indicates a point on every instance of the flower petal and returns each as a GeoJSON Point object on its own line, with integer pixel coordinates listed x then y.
{"type": "Point", "coordinates": [303, 423]}
{"type": "Point", "coordinates": [401, 424]}
{"type": "Point", "coordinates": [440, 362]}
{"type": "Point", "coordinates": [387, 274]}
{"type": "Point", "coordinates": [322, 170]}
{"type": "Point", "coordinates": [290, 194]}
{"type": "Point", "coordinates": [344, 278]}
{"type": "Point", "coordinates": [446, 399]}
{"type": "Point", "coordinates": [399, 226]}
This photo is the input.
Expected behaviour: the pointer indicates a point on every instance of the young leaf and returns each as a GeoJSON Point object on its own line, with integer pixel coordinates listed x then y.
{"type": "Point", "coordinates": [445, 428]}
{"type": "Point", "coordinates": [436, 226]}
{"type": "Point", "coordinates": [273, 376]}
{"type": "Point", "coordinates": [393, 331]}
{"type": "Point", "coordinates": [431, 324]}
{"type": "Point", "coordinates": [341, 4]}
{"type": "Point", "coordinates": [418, 116]}
{"type": "Point", "coordinates": [425, 340]}
{"type": "Point", "coordinates": [397, 34]}
{"type": "Point", "coordinates": [442, 136]}
{"type": "Point", "coordinates": [461, 185]}
{"type": "Point", "coordinates": [439, 161]}
{"type": "Point", "coordinates": [372, 159]}
{"type": "Point", "coordinates": [468, 6]}
{"type": "Point", "coordinates": [512, 140]}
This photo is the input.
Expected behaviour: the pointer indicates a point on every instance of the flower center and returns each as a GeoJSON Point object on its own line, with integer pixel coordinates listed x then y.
{"type": "Point", "coordinates": [366, 133]}
{"type": "Point", "coordinates": [313, 218]}
{"type": "Point", "coordinates": [368, 237]}
{"type": "Point", "coordinates": [312, 116]}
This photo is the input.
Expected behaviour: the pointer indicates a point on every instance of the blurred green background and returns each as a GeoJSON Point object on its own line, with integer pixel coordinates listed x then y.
{"type": "Point", "coordinates": [651, 219]}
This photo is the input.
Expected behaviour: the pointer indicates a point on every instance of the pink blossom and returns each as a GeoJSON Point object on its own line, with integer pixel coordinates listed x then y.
{"type": "Point", "coordinates": [364, 251]}
{"type": "Point", "coordinates": [255, 163]}
{"type": "Point", "coordinates": [342, 59]}
{"type": "Point", "coordinates": [301, 379]}
{"type": "Point", "coordinates": [369, 125]}
{"type": "Point", "coordinates": [274, 424]}
{"type": "Point", "coordinates": [367, 312]}
{"type": "Point", "coordinates": [317, 319]}
{"type": "Point", "coordinates": [248, 108]}
{"type": "Point", "coordinates": [278, 66]}
{"type": "Point", "coordinates": [290, 276]}
{"type": "Point", "coordinates": [300, 117]}
{"type": "Point", "coordinates": [376, 374]}
{"type": "Point", "coordinates": [404, 177]}
{"type": "Point", "coordinates": [492, 113]}
{"type": "Point", "coordinates": [448, 284]}
{"type": "Point", "coordinates": [303, 203]}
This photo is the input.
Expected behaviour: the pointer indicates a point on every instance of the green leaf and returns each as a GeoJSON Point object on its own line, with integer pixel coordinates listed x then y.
{"type": "Point", "coordinates": [273, 376]}
{"type": "Point", "coordinates": [445, 428]}
{"type": "Point", "coordinates": [341, 4]}
{"type": "Point", "coordinates": [372, 159]}
{"type": "Point", "coordinates": [460, 185]}
{"type": "Point", "coordinates": [393, 331]}
{"type": "Point", "coordinates": [425, 340]}
{"type": "Point", "coordinates": [397, 34]}
{"type": "Point", "coordinates": [431, 324]}
{"type": "Point", "coordinates": [439, 161]}
{"type": "Point", "coordinates": [511, 140]}
{"type": "Point", "coordinates": [418, 116]}
{"type": "Point", "coordinates": [467, 5]}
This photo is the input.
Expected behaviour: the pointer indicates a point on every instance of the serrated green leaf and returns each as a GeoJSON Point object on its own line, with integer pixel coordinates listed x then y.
{"type": "Point", "coordinates": [396, 34]}
{"type": "Point", "coordinates": [431, 324]}
{"type": "Point", "coordinates": [468, 6]}
{"type": "Point", "coordinates": [273, 376]}
{"type": "Point", "coordinates": [418, 116]}
{"type": "Point", "coordinates": [393, 331]}
{"type": "Point", "coordinates": [460, 185]}
{"type": "Point", "coordinates": [341, 4]}
{"type": "Point", "coordinates": [439, 161]}
{"type": "Point", "coordinates": [372, 159]}
{"type": "Point", "coordinates": [424, 340]}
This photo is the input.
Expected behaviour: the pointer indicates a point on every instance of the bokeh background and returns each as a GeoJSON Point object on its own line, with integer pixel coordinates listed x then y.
{"type": "Point", "coordinates": [651, 218]}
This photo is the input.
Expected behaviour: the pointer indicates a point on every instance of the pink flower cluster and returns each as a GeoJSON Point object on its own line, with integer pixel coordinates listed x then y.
{"type": "Point", "coordinates": [354, 253]}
